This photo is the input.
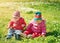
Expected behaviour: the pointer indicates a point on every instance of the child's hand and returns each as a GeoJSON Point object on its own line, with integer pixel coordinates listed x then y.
{"type": "Point", "coordinates": [9, 27]}
{"type": "Point", "coordinates": [29, 36]}
{"type": "Point", "coordinates": [43, 35]}
{"type": "Point", "coordinates": [23, 25]}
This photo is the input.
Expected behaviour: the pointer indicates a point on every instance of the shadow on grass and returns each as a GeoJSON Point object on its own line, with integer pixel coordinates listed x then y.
{"type": "Point", "coordinates": [0, 35]}
{"type": "Point", "coordinates": [54, 33]}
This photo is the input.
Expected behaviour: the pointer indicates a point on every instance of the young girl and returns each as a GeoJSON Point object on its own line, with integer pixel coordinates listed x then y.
{"type": "Point", "coordinates": [36, 27]}
{"type": "Point", "coordinates": [16, 25]}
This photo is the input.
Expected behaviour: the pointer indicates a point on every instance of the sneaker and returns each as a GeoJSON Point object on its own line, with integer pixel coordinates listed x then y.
{"type": "Point", "coordinates": [17, 37]}
{"type": "Point", "coordinates": [8, 37]}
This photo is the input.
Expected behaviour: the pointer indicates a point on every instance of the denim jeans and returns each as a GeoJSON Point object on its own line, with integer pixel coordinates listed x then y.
{"type": "Point", "coordinates": [12, 32]}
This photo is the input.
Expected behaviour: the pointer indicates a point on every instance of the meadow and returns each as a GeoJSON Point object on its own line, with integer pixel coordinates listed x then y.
{"type": "Point", "coordinates": [50, 12]}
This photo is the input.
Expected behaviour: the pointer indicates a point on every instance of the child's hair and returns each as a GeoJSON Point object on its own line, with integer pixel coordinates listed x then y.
{"type": "Point", "coordinates": [16, 13]}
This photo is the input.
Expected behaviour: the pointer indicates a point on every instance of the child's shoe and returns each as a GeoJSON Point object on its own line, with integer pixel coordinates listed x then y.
{"type": "Point", "coordinates": [17, 37]}
{"type": "Point", "coordinates": [8, 37]}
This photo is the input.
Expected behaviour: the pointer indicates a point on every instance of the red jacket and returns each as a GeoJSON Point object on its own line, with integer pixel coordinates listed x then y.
{"type": "Point", "coordinates": [17, 25]}
{"type": "Point", "coordinates": [36, 29]}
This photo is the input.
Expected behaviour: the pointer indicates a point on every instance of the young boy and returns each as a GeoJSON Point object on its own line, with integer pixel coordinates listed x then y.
{"type": "Point", "coordinates": [16, 25]}
{"type": "Point", "coordinates": [36, 27]}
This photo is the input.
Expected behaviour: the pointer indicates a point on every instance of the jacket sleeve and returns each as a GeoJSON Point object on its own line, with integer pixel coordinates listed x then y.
{"type": "Point", "coordinates": [10, 24]}
{"type": "Point", "coordinates": [29, 28]}
{"type": "Point", "coordinates": [43, 28]}
{"type": "Point", "coordinates": [23, 23]}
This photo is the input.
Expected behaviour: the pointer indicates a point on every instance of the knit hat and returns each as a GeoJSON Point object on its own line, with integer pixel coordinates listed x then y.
{"type": "Point", "coordinates": [16, 13]}
{"type": "Point", "coordinates": [38, 16]}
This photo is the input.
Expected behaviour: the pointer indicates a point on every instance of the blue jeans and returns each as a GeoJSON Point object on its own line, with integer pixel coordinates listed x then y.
{"type": "Point", "coordinates": [12, 32]}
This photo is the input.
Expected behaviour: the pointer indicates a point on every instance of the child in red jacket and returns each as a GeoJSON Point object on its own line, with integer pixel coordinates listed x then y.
{"type": "Point", "coordinates": [16, 25]}
{"type": "Point", "coordinates": [36, 27]}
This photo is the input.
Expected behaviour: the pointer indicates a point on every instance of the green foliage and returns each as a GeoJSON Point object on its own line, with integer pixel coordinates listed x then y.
{"type": "Point", "coordinates": [30, 12]}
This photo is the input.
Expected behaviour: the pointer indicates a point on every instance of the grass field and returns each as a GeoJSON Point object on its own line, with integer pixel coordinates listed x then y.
{"type": "Point", "coordinates": [50, 11]}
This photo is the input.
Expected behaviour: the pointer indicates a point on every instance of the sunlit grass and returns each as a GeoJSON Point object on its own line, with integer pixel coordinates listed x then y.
{"type": "Point", "coordinates": [51, 14]}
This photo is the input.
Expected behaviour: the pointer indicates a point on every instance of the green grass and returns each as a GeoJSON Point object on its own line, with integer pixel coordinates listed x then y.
{"type": "Point", "coordinates": [51, 12]}
{"type": "Point", "coordinates": [29, 0]}
{"type": "Point", "coordinates": [17, 0]}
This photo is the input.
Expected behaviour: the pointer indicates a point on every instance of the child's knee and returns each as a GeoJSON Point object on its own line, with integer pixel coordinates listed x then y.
{"type": "Point", "coordinates": [10, 31]}
{"type": "Point", "coordinates": [17, 36]}
{"type": "Point", "coordinates": [26, 32]}
{"type": "Point", "coordinates": [18, 32]}
{"type": "Point", "coordinates": [35, 35]}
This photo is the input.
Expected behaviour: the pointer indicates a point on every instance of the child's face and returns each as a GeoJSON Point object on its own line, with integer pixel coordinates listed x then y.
{"type": "Point", "coordinates": [38, 21]}
{"type": "Point", "coordinates": [16, 18]}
